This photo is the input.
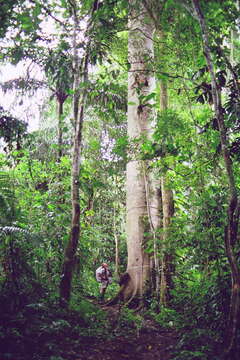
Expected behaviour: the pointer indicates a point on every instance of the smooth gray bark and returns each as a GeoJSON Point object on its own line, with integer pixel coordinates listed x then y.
{"type": "Point", "coordinates": [141, 82]}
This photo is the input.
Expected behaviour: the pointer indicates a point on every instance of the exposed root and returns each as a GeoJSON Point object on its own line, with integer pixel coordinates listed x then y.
{"type": "Point", "coordinates": [133, 294]}
{"type": "Point", "coordinates": [120, 298]}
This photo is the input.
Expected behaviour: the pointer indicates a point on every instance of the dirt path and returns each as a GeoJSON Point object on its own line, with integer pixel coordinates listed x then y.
{"type": "Point", "coordinates": [150, 342]}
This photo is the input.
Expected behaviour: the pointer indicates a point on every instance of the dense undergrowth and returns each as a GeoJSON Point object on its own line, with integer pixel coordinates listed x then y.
{"type": "Point", "coordinates": [43, 330]}
{"type": "Point", "coordinates": [199, 315]}
{"type": "Point", "coordinates": [33, 326]}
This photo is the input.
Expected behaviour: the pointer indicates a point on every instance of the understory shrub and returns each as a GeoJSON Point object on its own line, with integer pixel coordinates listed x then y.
{"type": "Point", "coordinates": [202, 308]}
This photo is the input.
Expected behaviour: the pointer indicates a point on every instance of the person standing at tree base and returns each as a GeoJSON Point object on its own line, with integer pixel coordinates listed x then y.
{"type": "Point", "coordinates": [104, 277]}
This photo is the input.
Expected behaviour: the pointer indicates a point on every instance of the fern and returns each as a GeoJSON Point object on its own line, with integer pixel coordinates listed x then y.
{"type": "Point", "coordinates": [8, 230]}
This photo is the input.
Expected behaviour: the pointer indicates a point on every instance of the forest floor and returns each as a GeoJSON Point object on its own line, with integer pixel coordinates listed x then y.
{"type": "Point", "coordinates": [146, 342]}
{"type": "Point", "coordinates": [89, 331]}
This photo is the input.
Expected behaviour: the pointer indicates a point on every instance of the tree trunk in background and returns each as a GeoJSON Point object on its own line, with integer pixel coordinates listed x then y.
{"type": "Point", "coordinates": [233, 212]}
{"type": "Point", "coordinates": [60, 142]}
{"type": "Point", "coordinates": [61, 97]}
{"type": "Point", "coordinates": [167, 257]}
{"type": "Point", "coordinates": [141, 82]}
{"type": "Point", "coordinates": [234, 37]}
{"type": "Point", "coordinates": [78, 113]}
{"type": "Point", "coordinates": [167, 213]}
{"type": "Point", "coordinates": [154, 202]}
{"type": "Point", "coordinates": [116, 240]}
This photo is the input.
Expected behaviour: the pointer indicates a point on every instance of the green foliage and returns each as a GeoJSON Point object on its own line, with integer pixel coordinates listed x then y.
{"type": "Point", "coordinates": [43, 330]}
{"type": "Point", "coordinates": [94, 318]}
{"type": "Point", "coordinates": [129, 321]}
{"type": "Point", "coordinates": [6, 17]}
{"type": "Point", "coordinates": [201, 304]}
{"type": "Point", "coordinates": [58, 68]}
{"type": "Point", "coordinates": [35, 200]}
{"type": "Point", "coordinates": [109, 93]}
{"type": "Point", "coordinates": [168, 318]}
{"type": "Point", "coordinates": [6, 198]}
{"type": "Point", "coordinates": [108, 19]}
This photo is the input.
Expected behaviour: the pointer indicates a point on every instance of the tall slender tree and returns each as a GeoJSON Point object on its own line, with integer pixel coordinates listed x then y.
{"type": "Point", "coordinates": [233, 211]}
{"type": "Point", "coordinates": [79, 98]}
{"type": "Point", "coordinates": [167, 213]}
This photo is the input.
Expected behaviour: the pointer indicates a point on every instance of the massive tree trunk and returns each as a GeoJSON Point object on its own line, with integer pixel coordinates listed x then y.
{"type": "Point", "coordinates": [231, 230]}
{"type": "Point", "coordinates": [78, 114]}
{"type": "Point", "coordinates": [141, 82]}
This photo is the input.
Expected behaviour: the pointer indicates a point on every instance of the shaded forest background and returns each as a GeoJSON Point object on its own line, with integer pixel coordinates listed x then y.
{"type": "Point", "coordinates": [73, 168]}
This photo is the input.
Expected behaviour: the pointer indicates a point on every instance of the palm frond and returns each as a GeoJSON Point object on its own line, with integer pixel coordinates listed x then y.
{"type": "Point", "coordinates": [22, 84]}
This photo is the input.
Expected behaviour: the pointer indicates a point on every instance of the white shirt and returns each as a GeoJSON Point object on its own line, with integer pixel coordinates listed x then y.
{"type": "Point", "coordinates": [103, 274]}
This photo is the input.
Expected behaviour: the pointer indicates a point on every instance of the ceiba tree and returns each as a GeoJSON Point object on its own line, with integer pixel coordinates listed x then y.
{"type": "Point", "coordinates": [141, 209]}
{"type": "Point", "coordinates": [144, 191]}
